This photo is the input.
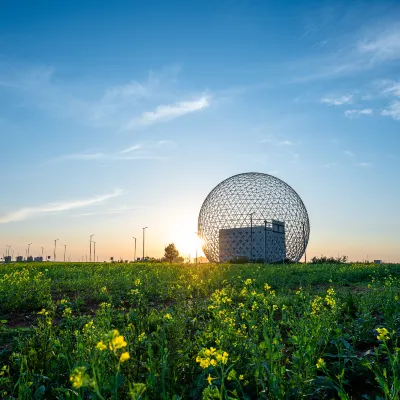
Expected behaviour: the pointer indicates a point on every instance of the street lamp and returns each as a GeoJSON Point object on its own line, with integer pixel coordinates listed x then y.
{"type": "Point", "coordinates": [29, 245]}
{"type": "Point", "coordinates": [251, 236]}
{"type": "Point", "coordinates": [42, 252]}
{"type": "Point", "coordinates": [65, 250]}
{"type": "Point", "coordinates": [134, 254]}
{"type": "Point", "coordinates": [143, 241]}
{"type": "Point", "coordinates": [90, 246]}
{"type": "Point", "coordinates": [197, 236]}
{"type": "Point", "coordinates": [94, 248]}
{"type": "Point", "coordinates": [55, 247]}
{"type": "Point", "coordinates": [8, 247]}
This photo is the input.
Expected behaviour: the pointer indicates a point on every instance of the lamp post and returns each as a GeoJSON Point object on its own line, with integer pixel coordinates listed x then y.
{"type": "Point", "coordinates": [12, 255]}
{"type": "Point", "coordinates": [143, 241]}
{"type": "Point", "coordinates": [90, 247]}
{"type": "Point", "coordinates": [197, 235]}
{"type": "Point", "coordinates": [304, 245]}
{"type": "Point", "coordinates": [8, 247]}
{"type": "Point", "coordinates": [265, 241]}
{"type": "Point", "coordinates": [42, 252]}
{"type": "Point", "coordinates": [251, 236]}
{"type": "Point", "coordinates": [65, 250]}
{"type": "Point", "coordinates": [134, 253]}
{"type": "Point", "coordinates": [94, 251]}
{"type": "Point", "coordinates": [55, 247]}
{"type": "Point", "coordinates": [29, 245]}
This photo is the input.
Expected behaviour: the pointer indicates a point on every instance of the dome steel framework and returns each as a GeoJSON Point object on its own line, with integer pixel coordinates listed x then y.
{"type": "Point", "coordinates": [252, 199]}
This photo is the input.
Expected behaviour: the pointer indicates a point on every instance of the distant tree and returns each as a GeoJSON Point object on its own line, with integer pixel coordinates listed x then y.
{"type": "Point", "coordinates": [329, 260]}
{"type": "Point", "coordinates": [171, 253]}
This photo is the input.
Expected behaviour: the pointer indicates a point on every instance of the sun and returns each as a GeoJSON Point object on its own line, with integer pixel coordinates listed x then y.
{"type": "Point", "coordinates": [187, 243]}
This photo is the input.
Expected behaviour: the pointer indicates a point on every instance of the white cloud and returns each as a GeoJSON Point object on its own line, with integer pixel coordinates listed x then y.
{"type": "Point", "coordinates": [131, 148]}
{"type": "Point", "coordinates": [365, 164]}
{"type": "Point", "coordinates": [285, 143]}
{"type": "Point", "coordinates": [337, 101]}
{"type": "Point", "coordinates": [51, 208]}
{"type": "Point", "coordinates": [391, 87]}
{"type": "Point", "coordinates": [330, 165]}
{"type": "Point", "coordinates": [172, 111]}
{"type": "Point", "coordinates": [84, 156]}
{"type": "Point", "coordinates": [357, 113]}
{"type": "Point", "coordinates": [383, 46]}
{"type": "Point", "coordinates": [140, 152]}
{"type": "Point", "coordinates": [393, 110]}
{"type": "Point", "coordinates": [272, 140]}
{"type": "Point", "coordinates": [366, 48]}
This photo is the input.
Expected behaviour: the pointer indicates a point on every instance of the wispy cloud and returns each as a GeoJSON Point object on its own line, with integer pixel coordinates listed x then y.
{"type": "Point", "coordinates": [357, 112]}
{"type": "Point", "coordinates": [111, 157]}
{"type": "Point", "coordinates": [121, 106]}
{"type": "Point", "coordinates": [365, 164]}
{"type": "Point", "coordinates": [276, 142]}
{"type": "Point", "coordinates": [367, 48]}
{"type": "Point", "coordinates": [383, 46]}
{"type": "Point", "coordinates": [286, 143]}
{"type": "Point", "coordinates": [330, 165]}
{"type": "Point", "coordinates": [348, 153]}
{"type": "Point", "coordinates": [131, 148]}
{"type": "Point", "coordinates": [135, 152]}
{"type": "Point", "coordinates": [393, 110]}
{"type": "Point", "coordinates": [337, 100]}
{"type": "Point", "coordinates": [51, 208]}
{"type": "Point", "coordinates": [168, 112]}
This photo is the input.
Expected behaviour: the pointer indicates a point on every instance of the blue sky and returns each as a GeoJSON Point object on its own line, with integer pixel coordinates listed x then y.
{"type": "Point", "coordinates": [120, 115]}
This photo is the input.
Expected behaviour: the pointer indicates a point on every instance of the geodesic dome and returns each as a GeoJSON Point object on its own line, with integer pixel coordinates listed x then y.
{"type": "Point", "coordinates": [264, 197]}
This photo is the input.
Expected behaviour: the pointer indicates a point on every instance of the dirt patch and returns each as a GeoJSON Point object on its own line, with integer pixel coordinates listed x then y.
{"type": "Point", "coordinates": [20, 320]}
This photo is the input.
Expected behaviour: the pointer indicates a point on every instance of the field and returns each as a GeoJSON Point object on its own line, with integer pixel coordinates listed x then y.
{"type": "Point", "coordinates": [161, 331]}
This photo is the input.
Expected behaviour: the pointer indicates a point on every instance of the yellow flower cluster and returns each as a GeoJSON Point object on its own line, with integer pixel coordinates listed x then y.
{"type": "Point", "coordinates": [67, 312]}
{"type": "Point", "coordinates": [316, 305]}
{"type": "Point", "coordinates": [383, 334]}
{"type": "Point", "coordinates": [79, 378]}
{"type": "Point", "coordinates": [212, 357]}
{"type": "Point", "coordinates": [168, 317]}
{"type": "Point", "coordinates": [89, 327]}
{"type": "Point", "coordinates": [114, 341]}
{"type": "Point", "coordinates": [329, 298]}
{"type": "Point", "coordinates": [320, 363]}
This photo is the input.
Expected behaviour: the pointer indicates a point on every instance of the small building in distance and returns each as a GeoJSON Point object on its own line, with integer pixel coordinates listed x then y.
{"type": "Point", "coordinates": [20, 259]}
{"type": "Point", "coordinates": [269, 244]}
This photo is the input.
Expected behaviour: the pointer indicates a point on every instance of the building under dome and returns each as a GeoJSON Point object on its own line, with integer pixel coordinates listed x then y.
{"type": "Point", "coordinates": [253, 216]}
{"type": "Point", "coordinates": [269, 243]}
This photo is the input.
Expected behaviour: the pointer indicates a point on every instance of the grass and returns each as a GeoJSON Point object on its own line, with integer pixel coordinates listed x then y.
{"type": "Point", "coordinates": [165, 331]}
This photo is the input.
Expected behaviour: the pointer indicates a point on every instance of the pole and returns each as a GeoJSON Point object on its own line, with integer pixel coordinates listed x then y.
{"type": "Point", "coordinates": [42, 252]}
{"type": "Point", "coordinates": [90, 248]}
{"type": "Point", "coordinates": [55, 247]}
{"type": "Point", "coordinates": [94, 248]}
{"type": "Point", "coordinates": [65, 250]}
{"type": "Point", "coordinates": [29, 245]}
{"type": "Point", "coordinates": [251, 236]}
{"type": "Point", "coordinates": [304, 245]}
{"type": "Point", "coordinates": [265, 241]}
{"type": "Point", "coordinates": [134, 254]}
{"type": "Point", "coordinates": [197, 236]}
{"type": "Point", "coordinates": [143, 241]}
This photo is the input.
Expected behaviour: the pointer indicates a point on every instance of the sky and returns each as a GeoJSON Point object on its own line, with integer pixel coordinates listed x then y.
{"type": "Point", "coordinates": [119, 115]}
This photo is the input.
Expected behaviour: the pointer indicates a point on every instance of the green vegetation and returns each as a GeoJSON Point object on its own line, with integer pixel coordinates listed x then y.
{"type": "Point", "coordinates": [173, 331]}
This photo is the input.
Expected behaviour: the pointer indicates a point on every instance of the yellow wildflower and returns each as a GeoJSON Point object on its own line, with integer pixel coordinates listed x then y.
{"type": "Point", "coordinates": [124, 357]}
{"type": "Point", "coordinates": [320, 363]}
{"type": "Point", "coordinates": [383, 334]}
{"type": "Point", "coordinates": [210, 379]}
{"type": "Point", "coordinates": [101, 346]}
